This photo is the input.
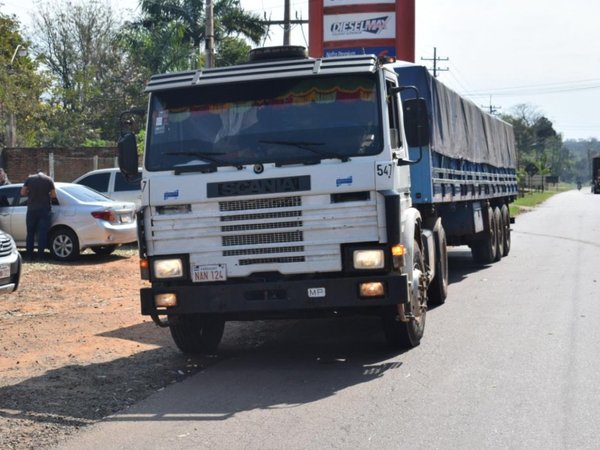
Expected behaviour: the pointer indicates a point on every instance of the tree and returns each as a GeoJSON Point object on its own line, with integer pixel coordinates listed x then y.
{"type": "Point", "coordinates": [21, 86]}
{"type": "Point", "coordinates": [92, 81]}
{"type": "Point", "coordinates": [232, 50]}
{"type": "Point", "coordinates": [537, 141]}
{"type": "Point", "coordinates": [170, 34]}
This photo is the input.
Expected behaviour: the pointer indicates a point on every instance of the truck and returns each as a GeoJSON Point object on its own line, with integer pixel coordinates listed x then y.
{"type": "Point", "coordinates": [297, 187]}
{"type": "Point", "coordinates": [596, 174]}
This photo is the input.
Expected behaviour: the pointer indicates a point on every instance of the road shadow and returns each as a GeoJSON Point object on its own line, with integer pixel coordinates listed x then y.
{"type": "Point", "coordinates": [260, 365]}
{"type": "Point", "coordinates": [461, 264]}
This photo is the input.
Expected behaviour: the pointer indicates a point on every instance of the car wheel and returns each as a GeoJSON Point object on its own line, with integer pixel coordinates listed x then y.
{"type": "Point", "coordinates": [64, 245]}
{"type": "Point", "coordinates": [104, 250]}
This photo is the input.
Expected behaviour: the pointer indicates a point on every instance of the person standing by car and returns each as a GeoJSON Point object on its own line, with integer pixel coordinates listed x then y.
{"type": "Point", "coordinates": [3, 177]}
{"type": "Point", "coordinates": [39, 189]}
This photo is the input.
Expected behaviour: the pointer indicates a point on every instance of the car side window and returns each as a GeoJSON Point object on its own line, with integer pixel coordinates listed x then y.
{"type": "Point", "coordinates": [121, 184]}
{"type": "Point", "coordinates": [96, 181]}
{"type": "Point", "coordinates": [10, 196]}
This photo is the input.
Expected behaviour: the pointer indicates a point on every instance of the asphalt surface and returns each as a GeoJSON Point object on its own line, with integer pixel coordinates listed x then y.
{"type": "Point", "coordinates": [510, 361]}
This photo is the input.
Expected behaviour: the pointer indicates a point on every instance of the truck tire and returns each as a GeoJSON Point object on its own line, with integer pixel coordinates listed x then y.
{"type": "Point", "coordinates": [484, 249]}
{"type": "Point", "coordinates": [506, 221]}
{"type": "Point", "coordinates": [196, 334]}
{"type": "Point", "coordinates": [499, 233]}
{"type": "Point", "coordinates": [438, 288]}
{"type": "Point", "coordinates": [104, 250]}
{"type": "Point", "coordinates": [401, 335]}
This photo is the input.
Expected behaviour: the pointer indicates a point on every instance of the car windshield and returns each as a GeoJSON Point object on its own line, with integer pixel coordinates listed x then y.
{"type": "Point", "coordinates": [265, 121]}
{"type": "Point", "coordinates": [83, 193]}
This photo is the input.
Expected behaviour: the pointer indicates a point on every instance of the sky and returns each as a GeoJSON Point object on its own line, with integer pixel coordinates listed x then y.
{"type": "Point", "coordinates": [543, 53]}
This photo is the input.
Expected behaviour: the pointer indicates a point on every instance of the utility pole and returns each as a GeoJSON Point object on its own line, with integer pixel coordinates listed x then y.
{"type": "Point", "coordinates": [435, 60]}
{"type": "Point", "coordinates": [493, 109]}
{"type": "Point", "coordinates": [286, 22]}
{"type": "Point", "coordinates": [210, 34]}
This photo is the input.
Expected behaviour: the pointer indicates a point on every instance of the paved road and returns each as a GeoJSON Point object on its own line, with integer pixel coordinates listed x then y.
{"type": "Point", "coordinates": [511, 361]}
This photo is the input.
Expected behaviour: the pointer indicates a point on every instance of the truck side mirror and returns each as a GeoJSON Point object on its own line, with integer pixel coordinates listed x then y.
{"type": "Point", "coordinates": [128, 157]}
{"type": "Point", "coordinates": [416, 122]}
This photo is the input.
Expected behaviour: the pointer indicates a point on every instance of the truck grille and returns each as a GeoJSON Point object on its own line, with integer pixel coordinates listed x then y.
{"type": "Point", "coordinates": [5, 246]}
{"type": "Point", "coordinates": [290, 234]}
{"type": "Point", "coordinates": [251, 221]}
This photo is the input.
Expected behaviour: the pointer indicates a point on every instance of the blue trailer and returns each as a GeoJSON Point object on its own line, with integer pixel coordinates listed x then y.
{"type": "Point", "coordinates": [466, 176]}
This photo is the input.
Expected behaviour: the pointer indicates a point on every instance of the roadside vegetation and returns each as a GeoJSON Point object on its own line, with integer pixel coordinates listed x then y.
{"type": "Point", "coordinates": [530, 199]}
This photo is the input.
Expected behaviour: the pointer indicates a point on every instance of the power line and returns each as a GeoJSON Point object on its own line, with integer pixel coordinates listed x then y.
{"type": "Point", "coordinates": [493, 109]}
{"type": "Point", "coordinates": [540, 89]}
{"type": "Point", "coordinates": [435, 60]}
{"type": "Point", "coordinates": [286, 22]}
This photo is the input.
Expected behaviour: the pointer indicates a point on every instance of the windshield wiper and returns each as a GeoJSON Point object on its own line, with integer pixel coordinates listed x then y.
{"type": "Point", "coordinates": [310, 146]}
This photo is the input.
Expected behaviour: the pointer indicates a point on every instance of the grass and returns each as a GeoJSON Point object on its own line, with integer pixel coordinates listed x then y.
{"type": "Point", "coordinates": [531, 199]}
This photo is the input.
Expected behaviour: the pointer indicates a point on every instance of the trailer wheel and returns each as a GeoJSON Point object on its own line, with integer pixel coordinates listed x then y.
{"type": "Point", "coordinates": [408, 334]}
{"type": "Point", "coordinates": [196, 334]}
{"type": "Point", "coordinates": [438, 288]}
{"type": "Point", "coordinates": [499, 233]}
{"type": "Point", "coordinates": [484, 250]}
{"type": "Point", "coordinates": [506, 221]}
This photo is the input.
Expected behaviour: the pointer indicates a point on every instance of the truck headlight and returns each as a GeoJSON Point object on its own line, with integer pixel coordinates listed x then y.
{"type": "Point", "coordinates": [368, 259]}
{"type": "Point", "coordinates": [168, 268]}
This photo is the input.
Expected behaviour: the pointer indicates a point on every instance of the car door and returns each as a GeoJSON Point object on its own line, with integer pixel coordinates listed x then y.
{"type": "Point", "coordinates": [126, 191]}
{"type": "Point", "coordinates": [13, 212]}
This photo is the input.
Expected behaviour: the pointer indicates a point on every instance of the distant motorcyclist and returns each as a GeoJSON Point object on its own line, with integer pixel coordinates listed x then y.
{"type": "Point", "coordinates": [579, 184]}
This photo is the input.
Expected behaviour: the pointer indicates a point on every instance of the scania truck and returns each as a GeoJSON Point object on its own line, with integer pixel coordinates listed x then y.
{"type": "Point", "coordinates": [305, 187]}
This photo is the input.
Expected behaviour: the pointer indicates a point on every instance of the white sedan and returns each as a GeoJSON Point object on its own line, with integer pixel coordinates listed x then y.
{"type": "Point", "coordinates": [81, 218]}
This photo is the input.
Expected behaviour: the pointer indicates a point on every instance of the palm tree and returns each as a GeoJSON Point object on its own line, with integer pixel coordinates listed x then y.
{"type": "Point", "coordinates": [183, 21]}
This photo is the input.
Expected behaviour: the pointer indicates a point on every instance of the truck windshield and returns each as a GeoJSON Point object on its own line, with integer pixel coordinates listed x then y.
{"type": "Point", "coordinates": [265, 121]}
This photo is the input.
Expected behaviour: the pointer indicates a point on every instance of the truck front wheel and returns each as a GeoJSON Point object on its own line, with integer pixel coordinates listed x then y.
{"type": "Point", "coordinates": [196, 333]}
{"type": "Point", "coordinates": [438, 288]}
{"type": "Point", "coordinates": [399, 334]}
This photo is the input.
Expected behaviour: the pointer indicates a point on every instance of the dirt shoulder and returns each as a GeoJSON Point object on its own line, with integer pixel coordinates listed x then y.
{"type": "Point", "coordinates": [74, 348]}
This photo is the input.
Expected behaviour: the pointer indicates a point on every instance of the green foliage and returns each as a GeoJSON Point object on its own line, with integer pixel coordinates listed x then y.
{"type": "Point", "coordinates": [231, 51]}
{"type": "Point", "coordinates": [538, 143]}
{"type": "Point", "coordinates": [21, 87]}
{"type": "Point", "coordinates": [170, 33]}
{"type": "Point", "coordinates": [92, 81]}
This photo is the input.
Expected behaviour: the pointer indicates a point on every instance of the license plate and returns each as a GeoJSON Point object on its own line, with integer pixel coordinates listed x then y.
{"type": "Point", "coordinates": [126, 219]}
{"type": "Point", "coordinates": [202, 273]}
{"type": "Point", "coordinates": [317, 292]}
{"type": "Point", "coordinates": [4, 271]}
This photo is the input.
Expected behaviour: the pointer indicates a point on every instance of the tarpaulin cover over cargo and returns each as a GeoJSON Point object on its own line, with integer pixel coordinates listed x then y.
{"type": "Point", "coordinates": [459, 128]}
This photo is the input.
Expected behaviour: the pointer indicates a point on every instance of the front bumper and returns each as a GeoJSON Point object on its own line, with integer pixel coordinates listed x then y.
{"type": "Point", "coordinates": [240, 300]}
{"type": "Point", "coordinates": [11, 283]}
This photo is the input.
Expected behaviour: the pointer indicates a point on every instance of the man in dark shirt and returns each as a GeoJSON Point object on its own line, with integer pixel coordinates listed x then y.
{"type": "Point", "coordinates": [39, 189]}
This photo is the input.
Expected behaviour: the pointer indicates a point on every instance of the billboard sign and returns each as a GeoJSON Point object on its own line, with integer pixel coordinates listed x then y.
{"type": "Point", "coordinates": [363, 26]}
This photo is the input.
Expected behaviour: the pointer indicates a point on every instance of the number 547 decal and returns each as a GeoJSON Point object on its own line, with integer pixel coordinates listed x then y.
{"type": "Point", "coordinates": [384, 170]}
